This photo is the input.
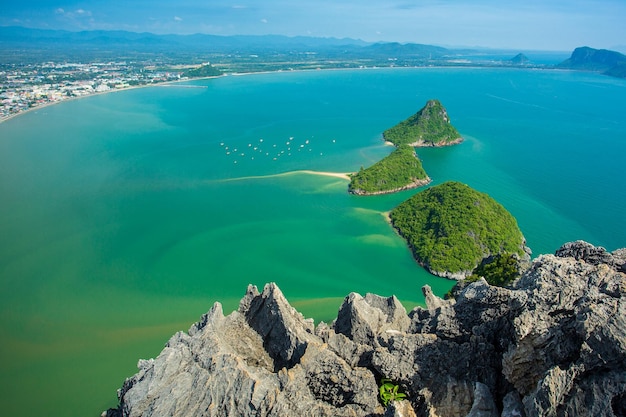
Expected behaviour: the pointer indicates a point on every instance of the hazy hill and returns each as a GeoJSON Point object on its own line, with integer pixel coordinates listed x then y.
{"type": "Point", "coordinates": [520, 59]}
{"type": "Point", "coordinates": [589, 59]}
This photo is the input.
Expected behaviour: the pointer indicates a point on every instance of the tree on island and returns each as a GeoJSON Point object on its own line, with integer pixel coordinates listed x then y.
{"type": "Point", "coordinates": [451, 228]}
{"type": "Point", "coordinates": [428, 127]}
{"type": "Point", "coordinates": [400, 170]}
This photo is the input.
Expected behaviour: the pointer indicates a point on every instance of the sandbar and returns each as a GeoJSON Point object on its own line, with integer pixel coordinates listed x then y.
{"type": "Point", "coordinates": [344, 176]}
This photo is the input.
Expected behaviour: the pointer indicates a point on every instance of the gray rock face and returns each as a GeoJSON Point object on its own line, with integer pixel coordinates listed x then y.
{"type": "Point", "coordinates": [553, 344]}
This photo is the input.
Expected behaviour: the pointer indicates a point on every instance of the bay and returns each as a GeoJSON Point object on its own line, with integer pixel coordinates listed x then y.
{"type": "Point", "coordinates": [124, 216]}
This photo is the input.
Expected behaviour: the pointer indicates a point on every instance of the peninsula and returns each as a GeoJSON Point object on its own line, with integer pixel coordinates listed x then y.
{"type": "Point", "coordinates": [451, 228]}
{"type": "Point", "coordinates": [400, 170]}
{"type": "Point", "coordinates": [428, 127]}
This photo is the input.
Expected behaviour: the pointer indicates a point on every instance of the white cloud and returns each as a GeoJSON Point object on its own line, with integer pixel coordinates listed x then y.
{"type": "Point", "coordinates": [263, 20]}
{"type": "Point", "coordinates": [178, 19]}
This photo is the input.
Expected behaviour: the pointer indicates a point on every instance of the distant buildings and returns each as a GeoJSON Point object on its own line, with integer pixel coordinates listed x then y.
{"type": "Point", "coordinates": [23, 87]}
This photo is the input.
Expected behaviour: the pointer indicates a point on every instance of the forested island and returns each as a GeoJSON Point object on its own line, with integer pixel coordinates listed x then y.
{"type": "Point", "coordinates": [428, 127]}
{"type": "Point", "coordinates": [400, 170]}
{"type": "Point", "coordinates": [451, 228]}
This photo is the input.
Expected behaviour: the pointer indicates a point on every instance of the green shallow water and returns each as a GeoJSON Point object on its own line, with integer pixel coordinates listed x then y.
{"type": "Point", "coordinates": [123, 217]}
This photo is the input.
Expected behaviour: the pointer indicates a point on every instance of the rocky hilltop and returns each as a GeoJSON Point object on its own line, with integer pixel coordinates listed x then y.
{"type": "Point", "coordinates": [552, 344]}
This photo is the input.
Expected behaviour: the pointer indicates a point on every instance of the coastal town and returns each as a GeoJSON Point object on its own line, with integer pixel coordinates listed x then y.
{"type": "Point", "coordinates": [27, 86]}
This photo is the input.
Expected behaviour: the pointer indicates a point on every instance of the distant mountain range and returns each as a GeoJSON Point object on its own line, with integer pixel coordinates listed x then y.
{"type": "Point", "coordinates": [19, 43]}
{"type": "Point", "coordinates": [103, 42]}
{"type": "Point", "coordinates": [20, 35]}
{"type": "Point", "coordinates": [22, 45]}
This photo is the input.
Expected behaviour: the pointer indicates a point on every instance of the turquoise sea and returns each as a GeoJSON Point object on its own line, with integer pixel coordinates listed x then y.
{"type": "Point", "coordinates": [124, 216]}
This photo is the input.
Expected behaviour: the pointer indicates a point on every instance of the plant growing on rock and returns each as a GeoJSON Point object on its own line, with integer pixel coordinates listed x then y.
{"type": "Point", "coordinates": [388, 392]}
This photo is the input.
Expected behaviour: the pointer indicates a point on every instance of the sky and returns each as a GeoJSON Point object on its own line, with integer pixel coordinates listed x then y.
{"type": "Point", "coordinates": [557, 25]}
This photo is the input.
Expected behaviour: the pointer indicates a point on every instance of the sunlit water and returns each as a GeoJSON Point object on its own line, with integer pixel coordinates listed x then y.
{"type": "Point", "coordinates": [123, 217]}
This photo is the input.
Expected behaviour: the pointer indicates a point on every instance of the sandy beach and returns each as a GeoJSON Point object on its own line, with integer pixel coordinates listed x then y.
{"type": "Point", "coordinates": [344, 176]}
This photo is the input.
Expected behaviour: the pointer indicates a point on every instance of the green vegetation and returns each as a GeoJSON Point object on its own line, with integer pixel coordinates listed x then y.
{"type": "Point", "coordinates": [500, 271]}
{"type": "Point", "coordinates": [399, 170]}
{"type": "Point", "coordinates": [206, 70]}
{"type": "Point", "coordinates": [428, 127]}
{"type": "Point", "coordinates": [389, 392]}
{"type": "Point", "coordinates": [451, 228]}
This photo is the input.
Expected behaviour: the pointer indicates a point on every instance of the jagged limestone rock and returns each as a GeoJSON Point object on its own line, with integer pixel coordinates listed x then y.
{"type": "Point", "coordinates": [364, 319]}
{"type": "Point", "coordinates": [552, 344]}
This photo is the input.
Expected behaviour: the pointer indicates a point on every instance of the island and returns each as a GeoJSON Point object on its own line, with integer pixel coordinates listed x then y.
{"type": "Point", "coordinates": [452, 228]}
{"type": "Point", "coordinates": [428, 127]}
{"type": "Point", "coordinates": [400, 170]}
{"type": "Point", "coordinates": [520, 59]}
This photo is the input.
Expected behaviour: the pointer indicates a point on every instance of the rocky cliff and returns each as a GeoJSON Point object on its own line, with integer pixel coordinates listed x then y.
{"type": "Point", "coordinates": [553, 344]}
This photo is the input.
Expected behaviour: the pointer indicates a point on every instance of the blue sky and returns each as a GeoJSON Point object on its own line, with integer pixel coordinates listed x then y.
{"type": "Point", "coordinates": [516, 24]}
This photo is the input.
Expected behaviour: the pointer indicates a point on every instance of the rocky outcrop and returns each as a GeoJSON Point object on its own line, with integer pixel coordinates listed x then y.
{"type": "Point", "coordinates": [553, 344]}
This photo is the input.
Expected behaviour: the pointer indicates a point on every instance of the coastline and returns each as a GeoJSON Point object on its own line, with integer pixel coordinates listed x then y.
{"type": "Point", "coordinates": [170, 83]}
{"type": "Point", "coordinates": [113, 90]}
{"type": "Point", "coordinates": [239, 74]}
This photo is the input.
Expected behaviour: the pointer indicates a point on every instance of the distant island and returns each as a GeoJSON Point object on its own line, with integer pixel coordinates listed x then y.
{"type": "Point", "coordinates": [428, 127]}
{"type": "Point", "coordinates": [400, 170]}
{"type": "Point", "coordinates": [451, 228]}
{"type": "Point", "coordinates": [520, 59]}
{"type": "Point", "coordinates": [601, 60]}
